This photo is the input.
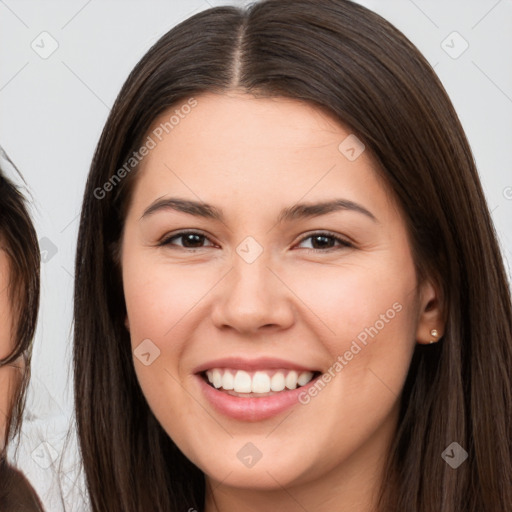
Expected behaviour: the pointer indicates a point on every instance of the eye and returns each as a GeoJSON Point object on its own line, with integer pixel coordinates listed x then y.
{"type": "Point", "coordinates": [326, 241]}
{"type": "Point", "coordinates": [190, 240]}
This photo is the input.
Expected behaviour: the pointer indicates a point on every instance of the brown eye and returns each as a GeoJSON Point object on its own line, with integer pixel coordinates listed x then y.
{"type": "Point", "coordinates": [190, 240]}
{"type": "Point", "coordinates": [324, 241]}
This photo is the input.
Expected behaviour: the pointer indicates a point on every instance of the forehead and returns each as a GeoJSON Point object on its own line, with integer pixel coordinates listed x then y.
{"type": "Point", "coordinates": [237, 148]}
{"type": "Point", "coordinates": [233, 115]}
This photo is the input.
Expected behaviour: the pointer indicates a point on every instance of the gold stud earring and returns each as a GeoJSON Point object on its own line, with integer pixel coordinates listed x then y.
{"type": "Point", "coordinates": [434, 334]}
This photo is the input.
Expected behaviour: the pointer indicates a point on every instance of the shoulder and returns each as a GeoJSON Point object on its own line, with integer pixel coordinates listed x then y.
{"type": "Point", "coordinates": [16, 493]}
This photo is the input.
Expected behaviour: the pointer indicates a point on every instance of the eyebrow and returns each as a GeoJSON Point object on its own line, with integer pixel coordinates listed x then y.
{"type": "Point", "coordinates": [297, 211]}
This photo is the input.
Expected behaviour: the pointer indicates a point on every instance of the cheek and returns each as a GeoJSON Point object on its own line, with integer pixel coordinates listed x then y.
{"type": "Point", "coordinates": [371, 317]}
{"type": "Point", "coordinates": [366, 315]}
{"type": "Point", "coordinates": [4, 402]}
{"type": "Point", "coordinates": [158, 295]}
{"type": "Point", "coordinates": [10, 381]}
{"type": "Point", "coordinates": [6, 332]}
{"type": "Point", "coordinates": [161, 301]}
{"type": "Point", "coordinates": [351, 299]}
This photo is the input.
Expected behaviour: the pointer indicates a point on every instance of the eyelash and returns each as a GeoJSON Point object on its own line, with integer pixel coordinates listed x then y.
{"type": "Point", "coordinates": [343, 243]}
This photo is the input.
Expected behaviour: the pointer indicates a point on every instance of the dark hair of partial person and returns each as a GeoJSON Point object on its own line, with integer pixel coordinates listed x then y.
{"type": "Point", "coordinates": [18, 239]}
{"type": "Point", "coordinates": [348, 61]}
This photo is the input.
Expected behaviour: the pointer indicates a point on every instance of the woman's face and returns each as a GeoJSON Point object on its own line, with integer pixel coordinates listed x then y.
{"type": "Point", "coordinates": [6, 344]}
{"type": "Point", "coordinates": [264, 296]}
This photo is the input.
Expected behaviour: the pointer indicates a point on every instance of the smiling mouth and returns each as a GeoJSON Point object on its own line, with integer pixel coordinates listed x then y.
{"type": "Point", "coordinates": [253, 384]}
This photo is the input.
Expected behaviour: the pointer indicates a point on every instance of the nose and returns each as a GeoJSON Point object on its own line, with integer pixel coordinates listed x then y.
{"type": "Point", "coordinates": [252, 298]}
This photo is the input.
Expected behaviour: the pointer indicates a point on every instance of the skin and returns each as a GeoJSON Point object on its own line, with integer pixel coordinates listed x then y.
{"type": "Point", "coordinates": [7, 373]}
{"type": "Point", "coordinates": [252, 157]}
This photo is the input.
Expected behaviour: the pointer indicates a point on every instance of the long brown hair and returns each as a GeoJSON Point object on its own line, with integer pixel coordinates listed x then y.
{"type": "Point", "coordinates": [18, 239]}
{"type": "Point", "coordinates": [338, 56]}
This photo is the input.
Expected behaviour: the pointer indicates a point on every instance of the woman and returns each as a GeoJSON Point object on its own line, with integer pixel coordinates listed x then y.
{"type": "Point", "coordinates": [289, 294]}
{"type": "Point", "coordinates": [19, 304]}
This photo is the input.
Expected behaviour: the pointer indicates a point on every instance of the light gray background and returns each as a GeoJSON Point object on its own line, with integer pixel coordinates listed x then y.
{"type": "Point", "coordinates": [53, 110]}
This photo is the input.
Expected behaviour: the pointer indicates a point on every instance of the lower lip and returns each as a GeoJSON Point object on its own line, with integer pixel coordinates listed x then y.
{"type": "Point", "coordinates": [252, 409]}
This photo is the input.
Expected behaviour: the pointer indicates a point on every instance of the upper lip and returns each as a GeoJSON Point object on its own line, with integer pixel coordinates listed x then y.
{"type": "Point", "coordinates": [261, 363]}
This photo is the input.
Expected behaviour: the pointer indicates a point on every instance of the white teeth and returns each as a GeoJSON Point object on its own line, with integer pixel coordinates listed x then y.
{"type": "Point", "coordinates": [291, 380]}
{"type": "Point", "coordinates": [304, 378]}
{"type": "Point", "coordinates": [277, 382]}
{"type": "Point", "coordinates": [228, 381]}
{"type": "Point", "coordinates": [260, 382]}
{"type": "Point", "coordinates": [217, 378]}
{"type": "Point", "coordinates": [242, 382]}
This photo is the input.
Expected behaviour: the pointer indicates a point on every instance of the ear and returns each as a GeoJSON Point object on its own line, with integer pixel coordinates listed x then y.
{"type": "Point", "coordinates": [127, 323]}
{"type": "Point", "coordinates": [431, 324]}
